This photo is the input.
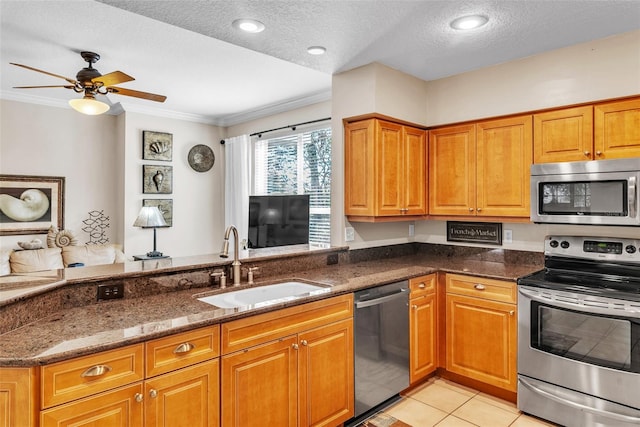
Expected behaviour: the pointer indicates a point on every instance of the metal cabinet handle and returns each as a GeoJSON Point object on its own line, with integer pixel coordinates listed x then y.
{"type": "Point", "coordinates": [587, 153]}
{"type": "Point", "coordinates": [512, 312]}
{"type": "Point", "coordinates": [96, 371]}
{"type": "Point", "coordinates": [138, 397]}
{"type": "Point", "coordinates": [415, 307]}
{"type": "Point", "coordinates": [479, 209]}
{"type": "Point", "coordinates": [480, 286]}
{"type": "Point", "coordinates": [304, 342]}
{"type": "Point", "coordinates": [295, 346]}
{"type": "Point", "coordinates": [598, 153]}
{"type": "Point", "coordinates": [185, 347]}
{"type": "Point", "coordinates": [153, 393]}
{"type": "Point", "coordinates": [422, 285]}
{"type": "Point", "coordinates": [470, 209]}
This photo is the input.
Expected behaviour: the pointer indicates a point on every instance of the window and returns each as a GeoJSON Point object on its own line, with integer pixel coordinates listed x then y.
{"type": "Point", "coordinates": [298, 164]}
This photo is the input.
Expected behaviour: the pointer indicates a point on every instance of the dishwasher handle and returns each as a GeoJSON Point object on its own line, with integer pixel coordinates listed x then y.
{"type": "Point", "coordinates": [381, 300]}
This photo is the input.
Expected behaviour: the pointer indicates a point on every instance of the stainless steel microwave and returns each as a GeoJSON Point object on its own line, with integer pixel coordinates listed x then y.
{"type": "Point", "coordinates": [598, 192]}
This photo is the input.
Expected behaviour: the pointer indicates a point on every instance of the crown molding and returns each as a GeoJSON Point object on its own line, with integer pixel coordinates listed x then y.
{"type": "Point", "coordinates": [222, 121]}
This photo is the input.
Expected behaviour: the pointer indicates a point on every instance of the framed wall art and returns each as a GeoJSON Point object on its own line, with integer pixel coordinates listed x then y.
{"type": "Point", "coordinates": [31, 204]}
{"type": "Point", "coordinates": [157, 146]}
{"type": "Point", "coordinates": [157, 179]}
{"type": "Point", "coordinates": [164, 205]}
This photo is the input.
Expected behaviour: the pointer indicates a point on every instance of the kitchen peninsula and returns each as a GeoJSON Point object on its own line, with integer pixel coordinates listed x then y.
{"type": "Point", "coordinates": [62, 322]}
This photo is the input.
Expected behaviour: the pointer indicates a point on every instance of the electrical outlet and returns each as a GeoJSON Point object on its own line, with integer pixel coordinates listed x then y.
{"type": "Point", "coordinates": [349, 234]}
{"type": "Point", "coordinates": [412, 230]}
{"type": "Point", "coordinates": [114, 291]}
{"type": "Point", "coordinates": [332, 259]}
{"type": "Point", "coordinates": [508, 236]}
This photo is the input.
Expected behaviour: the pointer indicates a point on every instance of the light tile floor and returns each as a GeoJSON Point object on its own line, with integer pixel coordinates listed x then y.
{"type": "Point", "coordinates": [443, 403]}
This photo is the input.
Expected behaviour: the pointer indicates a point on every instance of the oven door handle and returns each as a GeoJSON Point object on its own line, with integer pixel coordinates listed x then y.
{"type": "Point", "coordinates": [377, 301]}
{"type": "Point", "coordinates": [632, 195]}
{"type": "Point", "coordinates": [551, 396]}
{"type": "Point", "coordinates": [578, 307]}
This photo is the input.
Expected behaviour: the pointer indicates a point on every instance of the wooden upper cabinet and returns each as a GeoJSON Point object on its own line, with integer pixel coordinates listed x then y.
{"type": "Point", "coordinates": [563, 135]}
{"type": "Point", "coordinates": [504, 157]}
{"type": "Point", "coordinates": [617, 129]}
{"type": "Point", "coordinates": [452, 170]}
{"type": "Point", "coordinates": [385, 170]}
{"type": "Point", "coordinates": [481, 169]}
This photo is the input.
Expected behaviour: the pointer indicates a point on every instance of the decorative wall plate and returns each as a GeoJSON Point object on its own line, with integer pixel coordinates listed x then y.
{"type": "Point", "coordinates": [201, 158]}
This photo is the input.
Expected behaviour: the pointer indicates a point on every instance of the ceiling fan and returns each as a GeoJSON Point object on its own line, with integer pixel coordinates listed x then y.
{"type": "Point", "coordinates": [90, 82]}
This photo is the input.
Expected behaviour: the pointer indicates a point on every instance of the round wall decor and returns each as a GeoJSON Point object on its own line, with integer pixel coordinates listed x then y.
{"type": "Point", "coordinates": [201, 158]}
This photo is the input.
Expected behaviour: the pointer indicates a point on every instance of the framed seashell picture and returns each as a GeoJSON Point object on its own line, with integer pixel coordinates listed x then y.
{"type": "Point", "coordinates": [164, 205]}
{"type": "Point", "coordinates": [157, 146]}
{"type": "Point", "coordinates": [30, 204]}
{"type": "Point", "coordinates": [157, 179]}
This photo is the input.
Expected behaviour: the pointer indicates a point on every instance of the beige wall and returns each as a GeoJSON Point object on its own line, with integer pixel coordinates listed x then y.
{"type": "Point", "coordinates": [50, 141]}
{"type": "Point", "coordinates": [601, 69]}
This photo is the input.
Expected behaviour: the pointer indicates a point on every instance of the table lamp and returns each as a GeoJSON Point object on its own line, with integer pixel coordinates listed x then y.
{"type": "Point", "coordinates": [151, 217]}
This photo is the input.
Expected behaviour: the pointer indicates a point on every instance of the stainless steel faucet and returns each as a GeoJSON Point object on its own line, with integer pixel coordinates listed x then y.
{"type": "Point", "coordinates": [235, 265]}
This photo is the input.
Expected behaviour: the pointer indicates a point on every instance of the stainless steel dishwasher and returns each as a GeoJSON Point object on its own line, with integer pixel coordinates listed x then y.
{"type": "Point", "coordinates": [381, 344]}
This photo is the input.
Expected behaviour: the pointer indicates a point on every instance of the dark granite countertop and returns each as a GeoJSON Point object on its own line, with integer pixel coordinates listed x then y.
{"type": "Point", "coordinates": [104, 325]}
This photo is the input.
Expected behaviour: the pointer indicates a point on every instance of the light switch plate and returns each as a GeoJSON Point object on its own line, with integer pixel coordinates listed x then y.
{"type": "Point", "coordinates": [508, 236]}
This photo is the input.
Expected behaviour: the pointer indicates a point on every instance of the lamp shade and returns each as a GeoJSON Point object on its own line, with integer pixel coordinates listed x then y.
{"type": "Point", "coordinates": [89, 105]}
{"type": "Point", "coordinates": [150, 216]}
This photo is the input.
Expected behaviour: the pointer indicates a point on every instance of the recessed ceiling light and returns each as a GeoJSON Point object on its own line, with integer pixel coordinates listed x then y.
{"type": "Point", "coordinates": [469, 22]}
{"type": "Point", "coordinates": [248, 25]}
{"type": "Point", "coordinates": [316, 50]}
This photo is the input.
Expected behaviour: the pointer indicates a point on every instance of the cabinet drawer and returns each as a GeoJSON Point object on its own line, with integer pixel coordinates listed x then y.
{"type": "Point", "coordinates": [76, 378]}
{"type": "Point", "coordinates": [177, 351]}
{"type": "Point", "coordinates": [423, 285]}
{"type": "Point", "coordinates": [254, 330]}
{"type": "Point", "coordinates": [496, 290]}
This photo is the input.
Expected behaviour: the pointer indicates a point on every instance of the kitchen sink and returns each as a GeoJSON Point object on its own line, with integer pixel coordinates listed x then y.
{"type": "Point", "coordinates": [265, 295]}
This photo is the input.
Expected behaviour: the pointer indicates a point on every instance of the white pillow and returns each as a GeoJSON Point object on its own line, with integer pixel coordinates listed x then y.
{"type": "Point", "coordinates": [35, 260]}
{"type": "Point", "coordinates": [5, 266]}
{"type": "Point", "coordinates": [92, 254]}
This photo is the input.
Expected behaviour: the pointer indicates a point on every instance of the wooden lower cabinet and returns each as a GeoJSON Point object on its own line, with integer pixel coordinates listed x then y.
{"type": "Point", "coordinates": [188, 397]}
{"type": "Point", "coordinates": [18, 405]}
{"type": "Point", "coordinates": [482, 339]}
{"type": "Point", "coordinates": [300, 380]}
{"type": "Point", "coordinates": [422, 327]}
{"type": "Point", "coordinates": [325, 375]}
{"type": "Point", "coordinates": [116, 408]}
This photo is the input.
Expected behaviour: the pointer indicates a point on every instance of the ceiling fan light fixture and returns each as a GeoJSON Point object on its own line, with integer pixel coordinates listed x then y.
{"type": "Point", "coordinates": [89, 105]}
{"type": "Point", "coordinates": [469, 22]}
{"type": "Point", "coordinates": [316, 50]}
{"type": "Point", "coordinates": [248, 25]}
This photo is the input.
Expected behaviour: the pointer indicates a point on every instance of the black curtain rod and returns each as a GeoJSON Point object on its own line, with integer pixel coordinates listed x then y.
{"type": "Point", "coordinates": [293, 127]}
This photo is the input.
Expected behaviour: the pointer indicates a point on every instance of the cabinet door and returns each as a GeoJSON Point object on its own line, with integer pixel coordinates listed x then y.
{"type": "Point", "coordinates": [359, 174]}
{"type": "Point", "coordinates": [482, 340]}
{"type": "Point", "coordinates": [422, 335]}
{"type": "Point", "coordinates": [117, 408]}
{"type": "Point", "coordinates": [188, 397]}
{"type": "Point", "coordinates": [452, 170]}
{"type": "Point", "coordinates": [504, 149]}
{"type": "Point", "coordinates": [415, 172]}
{"type": "Point", "coordinates": [18, 393]}
{"type": "Point", "coordinates": [617, 129]}
{"type": "Point", "coordinates": [259, 386]}
{"type": "Point", "coordinates": [325, 376]}
{"type": "Point", "coordinates": [390, 169]}
{"type": "Point", "coordinates": [563, 135]}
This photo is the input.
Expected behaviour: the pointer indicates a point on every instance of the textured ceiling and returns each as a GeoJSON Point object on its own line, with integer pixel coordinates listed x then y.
{"type": "Point", "coordinates": [189, 51]}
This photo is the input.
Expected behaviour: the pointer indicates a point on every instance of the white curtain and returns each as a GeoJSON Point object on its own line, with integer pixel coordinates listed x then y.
{"type": "Point", "coordinates": [237, 153]}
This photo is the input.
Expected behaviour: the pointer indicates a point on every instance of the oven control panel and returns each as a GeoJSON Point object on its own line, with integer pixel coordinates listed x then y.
{"type": "Point", "coordinates": [599, 248]}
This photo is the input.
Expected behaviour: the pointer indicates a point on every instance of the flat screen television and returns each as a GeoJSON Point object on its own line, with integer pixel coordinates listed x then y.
{"type": "Point", "coordinates": [278, 220]}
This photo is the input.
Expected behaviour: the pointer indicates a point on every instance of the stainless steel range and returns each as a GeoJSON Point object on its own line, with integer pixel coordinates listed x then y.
{"type": "Point", "coordinates": [579, 333]}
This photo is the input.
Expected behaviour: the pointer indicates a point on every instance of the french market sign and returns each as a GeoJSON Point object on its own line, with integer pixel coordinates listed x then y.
{"type": "Point", "coordinates": [474, 232]}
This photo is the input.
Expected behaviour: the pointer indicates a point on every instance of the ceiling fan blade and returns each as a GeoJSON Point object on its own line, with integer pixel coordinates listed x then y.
{"type": "Point", "coordinates": [72, 81]}
{"type": "Point", "coordinates": [38, 87]}
{"type": "Point", "coordinates": [113, 78]}
{"type": "Point", "coordinates": [137, 94]}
